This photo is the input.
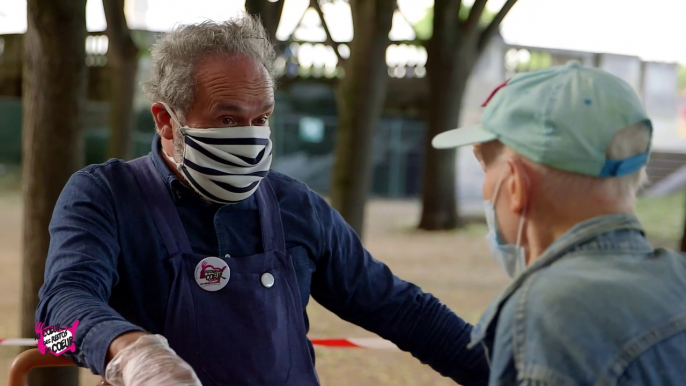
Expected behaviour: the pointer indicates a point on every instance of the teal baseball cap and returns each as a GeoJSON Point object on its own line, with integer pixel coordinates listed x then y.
{"type": "Point", "coordinates": [563, 117]}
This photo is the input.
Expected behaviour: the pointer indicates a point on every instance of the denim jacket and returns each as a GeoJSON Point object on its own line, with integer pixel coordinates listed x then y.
{"type": "Point", "coordinates": [601, 306]}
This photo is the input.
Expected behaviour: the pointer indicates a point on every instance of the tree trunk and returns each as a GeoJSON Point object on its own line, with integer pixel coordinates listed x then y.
{"type": "Point", "coordinates": [452, 51]}
{"type": "Point", "coordinates": [683, 238]}
{"type": "Point", "coordinates": [122, 57]}
{"type": "Point", "coordinates": [360, 97]}
{"type": "Point", "coordinates": [269, 12]}
{"type": "Point", "coordinates": [447, 83]}
{"type": "Point", "coordinates": [54, 90]}
{"type": "Point", "coordinates": [454, 48]}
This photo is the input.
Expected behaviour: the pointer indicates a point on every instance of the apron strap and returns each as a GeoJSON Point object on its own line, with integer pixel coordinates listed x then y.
{"type": "Point", "coordinates": [161, 206]}
{"type": "Point", "coordinates": [270, 218]}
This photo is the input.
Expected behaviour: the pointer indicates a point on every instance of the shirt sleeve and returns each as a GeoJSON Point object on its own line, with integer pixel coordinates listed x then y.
{"type": "Point", "coordinates": [361, 290]}
{"type": "Point", "coordinates": [81, 269]}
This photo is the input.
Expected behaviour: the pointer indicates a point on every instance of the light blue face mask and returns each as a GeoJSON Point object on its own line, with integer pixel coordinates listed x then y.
{"type": "Point", "coordinates": [511, 257]}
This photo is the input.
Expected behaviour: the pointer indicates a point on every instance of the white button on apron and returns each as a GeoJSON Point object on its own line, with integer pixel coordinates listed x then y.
{"type": "Point", "coordinates": [267, 280]}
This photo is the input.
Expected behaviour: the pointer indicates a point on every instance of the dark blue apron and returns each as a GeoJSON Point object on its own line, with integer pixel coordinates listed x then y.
{"type": "Point", "coordinates": [250, 332]}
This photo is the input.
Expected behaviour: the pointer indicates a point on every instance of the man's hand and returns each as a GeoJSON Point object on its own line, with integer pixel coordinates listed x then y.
{"type": "Point", "coordinates": [140, 359]}
{"type": "Point", "coordinates": [121, 342]}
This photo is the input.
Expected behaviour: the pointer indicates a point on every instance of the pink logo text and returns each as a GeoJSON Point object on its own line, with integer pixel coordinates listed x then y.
{"type": "Point", "coordinates": [56, 339]}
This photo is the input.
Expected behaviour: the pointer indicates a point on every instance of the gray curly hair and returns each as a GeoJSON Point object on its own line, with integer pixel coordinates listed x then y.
{"type": "Point", "coordinates": [175, 54]}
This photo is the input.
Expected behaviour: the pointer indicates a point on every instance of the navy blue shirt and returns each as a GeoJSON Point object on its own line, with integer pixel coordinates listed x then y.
{"type": "Point", "coordinates": [107, 267]}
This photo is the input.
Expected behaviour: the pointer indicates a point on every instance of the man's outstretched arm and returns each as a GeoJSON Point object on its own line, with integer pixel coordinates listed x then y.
{"type": "Point", "coordinates": [359, 289]}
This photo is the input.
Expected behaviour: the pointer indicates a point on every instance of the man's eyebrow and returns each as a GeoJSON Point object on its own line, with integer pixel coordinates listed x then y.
{"type": "Point", "coordinates": [237, 108]}
{"type": "Point", "coordinates": [228, 107]}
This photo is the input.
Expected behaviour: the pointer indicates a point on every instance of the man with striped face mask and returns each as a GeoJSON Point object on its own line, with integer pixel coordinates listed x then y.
{"type": "Point", "coordinates": [222, 166]}
{"type": "Point", "coordinates": [195, 264]}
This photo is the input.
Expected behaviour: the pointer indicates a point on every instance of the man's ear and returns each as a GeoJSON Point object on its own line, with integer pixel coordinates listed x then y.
{"type": "Point", "coordinates": [163, 121]}
{"type": "Point", "coordinates": [476, 149]}
{"type": "Point", "coordinates": [519, 185]}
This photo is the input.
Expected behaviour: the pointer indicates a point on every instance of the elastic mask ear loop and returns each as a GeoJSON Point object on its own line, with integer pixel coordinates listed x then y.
{"type": "Point", "coordinates": [497, 187]}
{"type": "Point", "coordinates": [171, 113]}
{"type": "Point", "coordinates": [175, 119]}
{"type": "Point", "coordinates": [170, 158]}
{"type": "Point", "coordinates": [522, 218]}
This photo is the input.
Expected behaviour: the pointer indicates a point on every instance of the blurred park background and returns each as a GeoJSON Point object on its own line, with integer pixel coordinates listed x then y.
{"type": "Point", "coordinates": [363, 86]}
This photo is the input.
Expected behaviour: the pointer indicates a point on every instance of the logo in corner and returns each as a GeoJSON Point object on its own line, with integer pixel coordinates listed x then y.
{"type": "Point", "coordinates": [56, 339]}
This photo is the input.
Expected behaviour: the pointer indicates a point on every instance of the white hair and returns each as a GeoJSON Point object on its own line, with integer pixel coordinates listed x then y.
{"type": "Point", "coordinates": [175, 54]}
{"type": "Point", "coordinates": [630, 141]}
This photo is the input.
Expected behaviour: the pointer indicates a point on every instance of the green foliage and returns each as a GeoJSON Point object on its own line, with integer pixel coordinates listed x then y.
{"type": "Point", "coordinates": [682, 77]}
{"type": "Point", "coordinates": [424, 27]}
{"type": "Point", "coordinates": [540, 60]}
{"type": "Point", "coordinates": [662, 217]}
{"type": "Point", "coordinates": [144, 41]}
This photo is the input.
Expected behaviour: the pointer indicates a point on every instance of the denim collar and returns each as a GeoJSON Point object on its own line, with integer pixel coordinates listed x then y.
{"type": "Point", "coordinates": [586, 235]}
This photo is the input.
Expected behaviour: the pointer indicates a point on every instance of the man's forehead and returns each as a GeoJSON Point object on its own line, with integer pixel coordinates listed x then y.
{"type": "Point", "coordinates": [232, 69]}
{"type": "Point", "coordinates": [233, 85]}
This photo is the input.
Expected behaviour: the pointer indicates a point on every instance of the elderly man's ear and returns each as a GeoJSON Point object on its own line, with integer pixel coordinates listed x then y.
{"type": "Point", "coordinates": [162, 120]}
{"type": "Point", "coordinates": [518, 185]}
{"type": "Point", "coordinates": [476, 149]}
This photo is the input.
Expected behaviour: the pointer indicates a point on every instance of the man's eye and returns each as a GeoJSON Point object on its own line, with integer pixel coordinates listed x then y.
{"type": "Point", "coordinates": [228, 121]}
{"type": "Point", "coordinates": [262, 121]}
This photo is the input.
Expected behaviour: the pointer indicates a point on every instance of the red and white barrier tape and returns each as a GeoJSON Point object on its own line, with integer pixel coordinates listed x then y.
{"type": "Point", "coordinates": [369, 343]}
{"type": "Point", "coordinates": [372, 343]}
{"type": "Point", "coordinates": [18, 342]}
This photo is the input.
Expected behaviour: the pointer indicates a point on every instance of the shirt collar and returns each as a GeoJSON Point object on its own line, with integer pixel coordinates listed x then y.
{"type": "Point", "coordinates": [179, 190]}
{"type": "Point", "coordinates": [156, 153]}
{"type": "Point", "coordinates": [580, 233]}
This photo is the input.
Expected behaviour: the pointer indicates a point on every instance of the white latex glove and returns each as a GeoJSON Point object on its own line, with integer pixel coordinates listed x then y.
{"type": "Point", "coordinates": [149, 361]}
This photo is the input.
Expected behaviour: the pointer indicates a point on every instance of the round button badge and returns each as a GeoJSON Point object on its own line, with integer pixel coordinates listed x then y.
{"type": "Point", "coordinates": [212, 274]}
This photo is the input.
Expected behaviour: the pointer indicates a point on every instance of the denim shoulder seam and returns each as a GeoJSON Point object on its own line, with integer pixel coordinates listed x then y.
{"type": "Point", "coordinates": [102, 186]}
{"type": "Point", "coordinates": [92, 168]}
{"type": "Point", "coordinates": [634, 348]}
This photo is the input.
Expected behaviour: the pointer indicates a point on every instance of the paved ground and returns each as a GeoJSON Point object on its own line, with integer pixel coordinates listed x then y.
{"type": "Point", "coordinates": [451, 265]}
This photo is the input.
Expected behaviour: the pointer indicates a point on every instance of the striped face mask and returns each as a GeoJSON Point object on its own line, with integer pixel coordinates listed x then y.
{"type": "Point", "coordinates": [224, 165]}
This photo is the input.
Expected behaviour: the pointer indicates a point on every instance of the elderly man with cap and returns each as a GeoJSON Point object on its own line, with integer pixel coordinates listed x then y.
{"type": "Point", "coordinates": [592, 302]}
{"type": "Point", "coordinates": [196, 263]}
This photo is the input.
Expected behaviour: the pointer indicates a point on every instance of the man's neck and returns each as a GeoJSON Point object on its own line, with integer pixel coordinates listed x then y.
{"type": "Point", "coordinates": [544, 228]}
